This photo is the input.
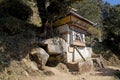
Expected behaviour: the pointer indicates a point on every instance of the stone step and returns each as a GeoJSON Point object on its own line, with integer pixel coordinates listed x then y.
{"type": "Point", "coordinates": [80, 67]}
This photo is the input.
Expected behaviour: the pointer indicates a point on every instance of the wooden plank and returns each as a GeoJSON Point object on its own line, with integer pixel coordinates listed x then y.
{"type": "Point", "coordinates": [78, 43]}
{"type": "Point", "coordinates": [80, 21]}
{"type": "Point", "coordinates": [65, 33]}
{"type": "Point", "coordinates": [78, 26]}
{"type": "Point", "coordinates": [62, 21]}
{"type": "Point", "coordinates": [72, 18]}
{"type": "Point", "coordinates": [71, 49]}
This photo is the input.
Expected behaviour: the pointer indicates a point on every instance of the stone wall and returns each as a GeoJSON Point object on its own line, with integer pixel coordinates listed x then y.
{"type": "Point", "coordinates": [75, 56]}
{"type": "Point", "coordinates": [86, 66]}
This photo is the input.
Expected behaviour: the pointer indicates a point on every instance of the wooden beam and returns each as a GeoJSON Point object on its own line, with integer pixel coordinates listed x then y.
{"type": "Point", "coordinates": [65, 33]}
{"type": "Point", "coordinates": [78, 43]}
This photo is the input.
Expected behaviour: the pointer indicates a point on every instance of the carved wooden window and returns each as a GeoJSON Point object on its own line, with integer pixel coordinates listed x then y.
{"type": "Point", "coordinates": [78, 36]}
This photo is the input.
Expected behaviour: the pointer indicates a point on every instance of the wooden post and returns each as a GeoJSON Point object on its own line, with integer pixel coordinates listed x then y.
{"type": "Point", "coordinates": [73, 55]}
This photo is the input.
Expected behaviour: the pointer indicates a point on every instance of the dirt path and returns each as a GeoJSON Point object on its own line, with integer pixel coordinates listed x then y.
{"type": "Point", "coordinates": [101, 74]}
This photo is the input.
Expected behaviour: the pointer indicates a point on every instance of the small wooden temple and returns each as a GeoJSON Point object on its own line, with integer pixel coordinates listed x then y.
{"type": "Point", "coordinates": [74, 28]}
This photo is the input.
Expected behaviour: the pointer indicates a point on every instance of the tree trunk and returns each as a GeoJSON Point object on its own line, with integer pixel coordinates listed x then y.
{"type": "Point", "coordinates": [43, 13]}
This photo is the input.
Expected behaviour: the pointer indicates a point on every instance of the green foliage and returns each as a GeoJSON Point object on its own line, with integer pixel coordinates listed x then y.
{"type": "Point", "coordinates": [15, 8]}
{"type": "Point", "coordinates": [89, 10]}
{"type": "Point", "coordinates": [11, 25]}
{"type": "Point", "coordinates": [95, 32]}
{"type": "Point", "coordinates": [54, 10]}
{"type": "Point", "coordinates": [112, 22]}
{"type": "Point", "coordinates": [111, 29]}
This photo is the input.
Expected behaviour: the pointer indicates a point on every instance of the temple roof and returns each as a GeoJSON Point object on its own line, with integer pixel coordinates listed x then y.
{"type": "Point", "coordinates": [79, 16]}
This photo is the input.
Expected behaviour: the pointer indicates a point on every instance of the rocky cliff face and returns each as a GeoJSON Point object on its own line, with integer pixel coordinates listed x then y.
{"type": "Point", "coordinates": [25, 10]}
{"type": "Point", "coordinates": [35, 18]}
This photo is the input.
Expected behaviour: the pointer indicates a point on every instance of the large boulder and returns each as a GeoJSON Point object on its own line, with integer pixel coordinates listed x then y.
{"type": "Point", "coordinates": [54, 49]}
{"type": "Point", "coordinates": [40, 56]}
{"type": "Point", "coordinates": [55, 45]}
